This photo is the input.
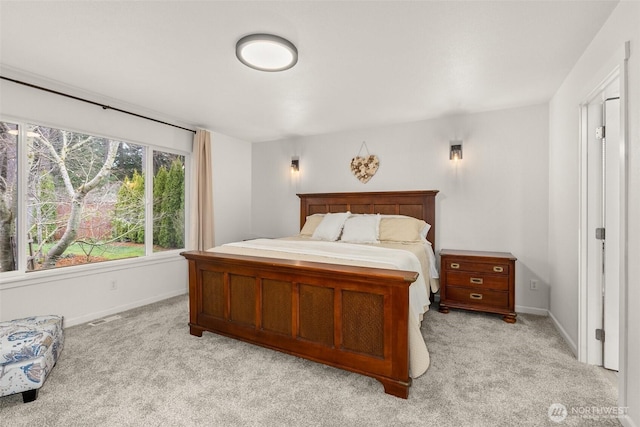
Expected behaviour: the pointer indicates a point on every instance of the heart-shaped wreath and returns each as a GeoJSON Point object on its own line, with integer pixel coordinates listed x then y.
{"type": "Point", "coordinates": [364, 168]}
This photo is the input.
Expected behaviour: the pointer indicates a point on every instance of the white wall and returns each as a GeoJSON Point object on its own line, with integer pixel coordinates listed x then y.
{"type": "Point", "coordinates": [494, 199]}
{"type": "Point", "coordinates": [84, 293]}
{"type": "Point", "coordinates": [232, 188]}
{"type": "Point", "coordinates": [602, 55]}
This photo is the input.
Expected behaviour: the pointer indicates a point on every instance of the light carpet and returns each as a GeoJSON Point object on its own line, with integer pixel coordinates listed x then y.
{"type": "Point", "coordinates": [147, 370]}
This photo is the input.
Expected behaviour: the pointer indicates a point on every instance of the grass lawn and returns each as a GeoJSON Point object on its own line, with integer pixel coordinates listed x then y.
{"type": "Point", "coordinates": [105, 252]}
{"type": "Point", "coordinates": [78, 253]}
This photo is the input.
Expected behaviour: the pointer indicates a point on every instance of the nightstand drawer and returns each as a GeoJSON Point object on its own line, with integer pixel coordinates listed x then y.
{"type": "Point", "coordinates": [478, 297]}
{"type": "Point", "coordinates": [480, 267]}
{"type": "Point", "coordinates": [476, 280]}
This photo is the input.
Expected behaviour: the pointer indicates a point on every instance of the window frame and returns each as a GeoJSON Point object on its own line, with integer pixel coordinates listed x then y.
{"type": "Point", "coordinates": [21, 276]}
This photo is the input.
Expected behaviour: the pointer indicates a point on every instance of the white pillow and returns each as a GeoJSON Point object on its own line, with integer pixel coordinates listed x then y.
{"type": "Point", "coordinates": [361, 229]}
{"type": "Point", "coordinates": [425, 230]}
{"type": "Point", "coordinates": [331, 226]}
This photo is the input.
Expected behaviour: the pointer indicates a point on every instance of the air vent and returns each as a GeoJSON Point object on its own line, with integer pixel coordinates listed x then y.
{"type": "Point", "coordinates": [105, 320]}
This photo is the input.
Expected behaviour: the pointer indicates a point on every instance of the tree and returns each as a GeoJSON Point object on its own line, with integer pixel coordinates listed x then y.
{"type": "Point", "coordinates": [128, 222]}
{"type": "Point", "coordinates": [128, 161]}
{"type": "Point", "coordinates": [8, 196]}
{"type": "Point", "coordinates": [83, 164]}
{"type": "Point", "coordinates": [171, 223]}
{"type": "Point", "coordinates": [159, 185]}
{"type": "Point", "coordinates": [45, 212]}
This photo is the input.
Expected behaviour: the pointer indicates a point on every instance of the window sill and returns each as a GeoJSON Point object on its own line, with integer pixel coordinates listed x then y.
{"type": "Point", "coordinates": [15, 279]}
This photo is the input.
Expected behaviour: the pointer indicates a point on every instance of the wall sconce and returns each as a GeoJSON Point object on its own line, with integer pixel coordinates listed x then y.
{"type": "Point", "coordinates": [455, 150]}
{"type": "Point", "coordinates": [295, 164]}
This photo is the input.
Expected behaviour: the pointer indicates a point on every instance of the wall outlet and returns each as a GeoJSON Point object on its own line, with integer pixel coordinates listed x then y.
{"type": "Point", "coordinates": [113, 285]}
{"type": "Point", "coordinates": [533, 285]}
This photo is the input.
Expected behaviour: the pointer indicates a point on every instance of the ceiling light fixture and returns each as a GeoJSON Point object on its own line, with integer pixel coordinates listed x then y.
{"type": "Point", "coordinates": [266, 52]}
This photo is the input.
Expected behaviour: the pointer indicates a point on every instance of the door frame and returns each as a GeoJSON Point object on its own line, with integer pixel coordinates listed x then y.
{"type": "Point", "coordinates": [590, 300]}
{"type": "Point", "coordinates": [586, 338]}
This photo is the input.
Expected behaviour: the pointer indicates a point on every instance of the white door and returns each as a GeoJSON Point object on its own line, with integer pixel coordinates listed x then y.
{"type": "Point", "coordinates": [602, 204]}
{"type": "Point", "coordinates": [611, 213]}
{"type": "Point", "coordinates": [595, 220]}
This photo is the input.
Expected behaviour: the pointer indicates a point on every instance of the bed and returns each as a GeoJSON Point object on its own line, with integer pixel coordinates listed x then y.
{"type": "Point", "coordinates": [353, 317]}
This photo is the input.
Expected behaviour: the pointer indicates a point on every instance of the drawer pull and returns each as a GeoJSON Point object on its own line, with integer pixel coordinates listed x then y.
{"type": "Point", "coordinates": [455, 265]}
{"type": "Point", "coordinates": [476, 280]}
{"type": "Point", "coordinates": [475, 296]}
{"type": "Point", "coordinates": [498, 269]}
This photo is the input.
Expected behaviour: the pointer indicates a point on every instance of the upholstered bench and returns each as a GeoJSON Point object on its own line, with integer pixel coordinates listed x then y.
{"type": "Point", "coordinates": [28, 350]}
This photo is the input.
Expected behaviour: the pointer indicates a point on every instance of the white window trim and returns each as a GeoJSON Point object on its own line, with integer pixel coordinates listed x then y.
{"type": "Point", "coordinates": [22, 277]}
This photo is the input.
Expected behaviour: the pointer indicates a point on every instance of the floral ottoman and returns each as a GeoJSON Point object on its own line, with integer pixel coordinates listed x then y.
{"type": "Point", "coordinates": [28, 350]}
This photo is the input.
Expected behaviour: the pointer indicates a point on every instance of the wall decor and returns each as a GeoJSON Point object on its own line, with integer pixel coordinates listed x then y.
{"type": "Point", "coordinates": [364, 168]}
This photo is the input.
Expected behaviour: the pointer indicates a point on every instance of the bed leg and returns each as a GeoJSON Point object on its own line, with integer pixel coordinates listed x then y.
{"type": "Point", "coordinates": [195, 330]}
{"type": "Point", "coordinates": [396, 388]}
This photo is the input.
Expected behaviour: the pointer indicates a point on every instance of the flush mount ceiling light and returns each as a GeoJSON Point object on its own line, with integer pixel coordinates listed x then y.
{"type": "Point", "coordinates": [266, 52]}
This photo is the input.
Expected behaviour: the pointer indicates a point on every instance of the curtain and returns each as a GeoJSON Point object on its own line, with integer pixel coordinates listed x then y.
{"type": "Point", "coordinates": [202, 234]}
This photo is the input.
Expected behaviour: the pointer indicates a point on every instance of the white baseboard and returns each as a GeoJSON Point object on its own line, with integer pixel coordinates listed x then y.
{"type": "Point", "coordinates": [565, 335]}
{"type": "Point", "coordinates": [119, 309]}
{"type": "Point", "coordinates": [532, 310]}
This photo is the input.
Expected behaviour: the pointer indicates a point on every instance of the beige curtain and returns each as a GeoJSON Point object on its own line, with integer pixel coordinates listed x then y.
{"type": "Point", "coordinates": [202, 235]}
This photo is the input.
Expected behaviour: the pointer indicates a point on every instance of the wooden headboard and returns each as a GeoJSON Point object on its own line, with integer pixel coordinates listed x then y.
{"type": "Point", "coordinates": [418, 204]}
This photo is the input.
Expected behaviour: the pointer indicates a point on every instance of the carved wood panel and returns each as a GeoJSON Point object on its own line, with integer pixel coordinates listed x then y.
{"type": "Point", "coordinates": [276, 306]}
{"type": "Point", "coordinates": [242, 293]}
{"type": "Point", "coordinates": [316, 314]}
{"type": "Point", "coordinates": [363, 323]}
{"type": "Point", "coordinates": [213, 293]}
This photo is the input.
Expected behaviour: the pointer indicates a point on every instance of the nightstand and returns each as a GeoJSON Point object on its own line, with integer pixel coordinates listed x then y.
{"type": "Point", "coordinates": [479, 281]}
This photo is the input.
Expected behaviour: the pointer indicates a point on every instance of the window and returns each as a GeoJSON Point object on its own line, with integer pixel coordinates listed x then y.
{"type": "Point", "coordinates": [168, 201]}
{"type": "Point", "coordinates": [8, 196]}
{"type": "Point", "coordinates": [85, 198]}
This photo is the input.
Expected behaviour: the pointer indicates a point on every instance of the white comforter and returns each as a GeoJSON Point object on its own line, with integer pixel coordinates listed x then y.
{"type": "Point", "coordinates": [363, 255]}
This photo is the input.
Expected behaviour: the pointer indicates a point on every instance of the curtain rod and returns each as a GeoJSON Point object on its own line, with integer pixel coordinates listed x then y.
{"type": "Point", "coordinates": [104, 107]}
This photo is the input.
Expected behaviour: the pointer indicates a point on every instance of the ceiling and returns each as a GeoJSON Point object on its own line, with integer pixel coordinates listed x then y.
{"type": "Point", "coordinates": [361, 63]}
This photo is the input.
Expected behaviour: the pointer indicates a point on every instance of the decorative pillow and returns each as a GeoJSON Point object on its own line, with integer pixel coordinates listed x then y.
{"type": "Point", "coordinates": [361, 229]}
{"type": "Point", "coordinates": [311, 224]}
{"type": "Point", "coordinates": [331, 226]}
{"type": "Point", "coordinates": [403, 229]}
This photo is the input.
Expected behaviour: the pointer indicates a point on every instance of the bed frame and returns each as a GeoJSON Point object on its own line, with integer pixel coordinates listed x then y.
{"type": "Point", "coordinates": [353, 318]}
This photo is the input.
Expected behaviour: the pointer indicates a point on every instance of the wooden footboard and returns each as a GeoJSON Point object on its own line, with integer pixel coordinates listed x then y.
{"type": "Point", "coordinates": [354, 318]}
